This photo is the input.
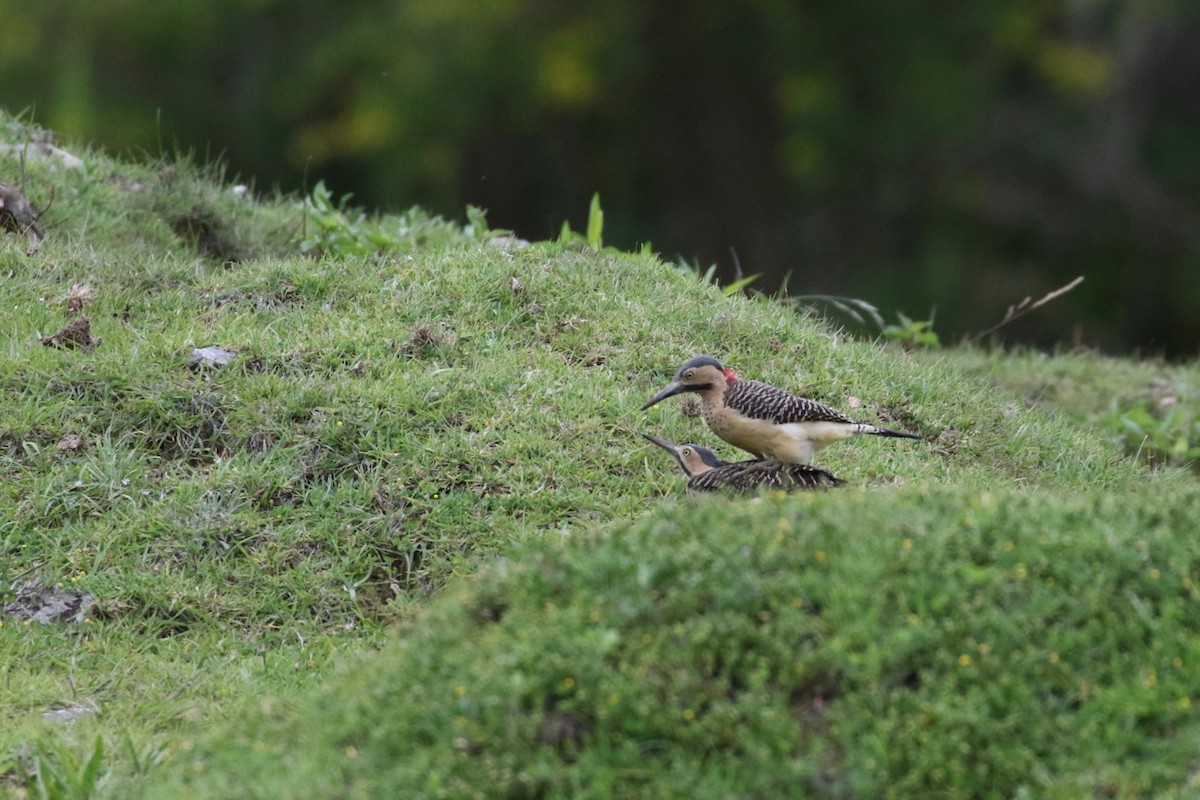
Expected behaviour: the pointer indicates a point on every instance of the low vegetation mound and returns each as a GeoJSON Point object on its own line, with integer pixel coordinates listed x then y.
{"type": "Point", "coordinates": [877, 644]}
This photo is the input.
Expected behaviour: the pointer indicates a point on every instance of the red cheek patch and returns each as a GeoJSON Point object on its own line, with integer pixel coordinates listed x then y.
{"type": "Point", "coordinates": [730, 376]}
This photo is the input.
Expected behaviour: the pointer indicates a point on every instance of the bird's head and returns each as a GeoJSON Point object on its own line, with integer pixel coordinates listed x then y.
{"type": "Point", "coordinates": [694, 459]}
{"type": "Point", "coordinates": [699, 374]}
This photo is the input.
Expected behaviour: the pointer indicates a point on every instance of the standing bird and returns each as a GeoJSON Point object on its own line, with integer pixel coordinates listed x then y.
{"type": "Point", "coordinates": [762, 420]}
{"type": "Point", "coordinates": [707, 473]}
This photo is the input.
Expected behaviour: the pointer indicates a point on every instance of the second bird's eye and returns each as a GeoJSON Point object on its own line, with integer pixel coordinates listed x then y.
{"type": "Point", "coordinates": [689, 375]}
{"type": "Point", "coordinates": [687, 451]}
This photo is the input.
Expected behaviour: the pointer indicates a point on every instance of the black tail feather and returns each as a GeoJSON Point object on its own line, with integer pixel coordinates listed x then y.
{"type": "Point", "coordinates": [894, 434]}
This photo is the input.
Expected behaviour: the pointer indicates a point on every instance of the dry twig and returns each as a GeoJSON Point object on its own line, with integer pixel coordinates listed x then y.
{"type": "Point", "coordinates": [1024, 307]}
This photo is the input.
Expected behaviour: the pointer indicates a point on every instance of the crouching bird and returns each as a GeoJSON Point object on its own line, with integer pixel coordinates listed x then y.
{"type": "Point", "coordinates": [707, 473]}
{"type": "Point", "coordinates": [762, 420]}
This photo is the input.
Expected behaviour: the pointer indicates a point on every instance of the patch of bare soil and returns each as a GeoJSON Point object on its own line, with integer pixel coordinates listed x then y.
{"type": "Point", "coordinates": [75, 336]}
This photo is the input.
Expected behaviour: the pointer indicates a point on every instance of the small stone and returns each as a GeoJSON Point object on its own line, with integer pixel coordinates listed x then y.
{"type": "Point", "coordinates": [44, 151]}
{"type": "Point", "coordinates": [68, 713]}
{"type": "Point", "coordinates": [508, 242]}
{"type": "Point", "coordinates": [72, 443]}
{"type": "Point", "coordinates": [211, 356]}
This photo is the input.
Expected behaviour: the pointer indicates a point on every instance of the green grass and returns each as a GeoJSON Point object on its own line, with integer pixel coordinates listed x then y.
{"type": "Point", "coordinates": [948, 643]}
{"type": "Point", "coordinates": [410, 542]}
{"type": "Point", "coordinates": [1147, 407]}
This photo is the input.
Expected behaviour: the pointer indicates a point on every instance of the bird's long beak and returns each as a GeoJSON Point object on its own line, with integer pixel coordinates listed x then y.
{"type": "Point", "coordinates": [665, 445]}
{"type": "Point", "coordinates": [670, 448]}
{"type": "Point", "coordinates": [671, 390]}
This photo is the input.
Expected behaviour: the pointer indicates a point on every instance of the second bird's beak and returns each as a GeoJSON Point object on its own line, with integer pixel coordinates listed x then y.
{"type": "Point", "coordinates": [665, 445]}
{"type": "Point", "coordinates": [670, 448]}
{"type": "Point", "coordinates": [673, 389]}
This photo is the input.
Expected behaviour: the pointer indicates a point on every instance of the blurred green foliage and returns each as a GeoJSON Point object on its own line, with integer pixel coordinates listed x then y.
{"type": "Point", "coordinates": [1161, 433]}
{"type": "Point", "coordinates": [912, 154]}
{"type": "Point", "coordinates": [911, 333]}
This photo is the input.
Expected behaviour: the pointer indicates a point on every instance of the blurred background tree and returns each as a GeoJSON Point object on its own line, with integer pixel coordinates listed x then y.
{"type": "Point", "coordinates": [917, 154]}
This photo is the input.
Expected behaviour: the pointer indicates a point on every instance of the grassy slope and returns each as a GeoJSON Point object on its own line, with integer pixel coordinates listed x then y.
{"type": "Point", "coordinates": [389, 420]}
{"type": "Point", "coordinates": [1148, 407]}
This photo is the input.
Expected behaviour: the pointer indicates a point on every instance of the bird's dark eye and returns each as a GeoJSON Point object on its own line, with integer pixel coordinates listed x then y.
{"type": "Point", "coordinates": [687, 451]}
{"type": "Point", "coordinates": [689, 375]}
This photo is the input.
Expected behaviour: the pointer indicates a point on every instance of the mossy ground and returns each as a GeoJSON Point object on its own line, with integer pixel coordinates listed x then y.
{"type": "Point", "coordinates": [432, 451]}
